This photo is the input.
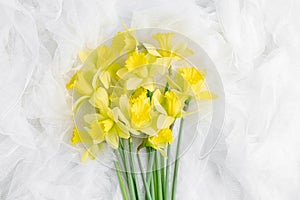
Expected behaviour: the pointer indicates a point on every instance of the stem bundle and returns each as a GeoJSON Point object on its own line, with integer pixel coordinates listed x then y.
{"type": "Point", "coordinates": [157, 178]}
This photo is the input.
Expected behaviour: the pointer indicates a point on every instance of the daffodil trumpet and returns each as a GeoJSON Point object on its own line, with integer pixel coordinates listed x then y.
{"type": "Point", "coordinates": [128, 96]}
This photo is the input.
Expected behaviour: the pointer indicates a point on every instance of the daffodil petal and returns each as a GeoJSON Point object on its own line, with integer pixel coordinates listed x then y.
{"type": "Point", "coordinates": [82, 85]}
{"type": "Point", "coordinates": [151, 49]}
{"type": "Point", "coordinates": [164, 40]}
{"type": "Point", "coordinates": [105, 56]}
{"type": "Point", "coordinates": [149, 84]}
{"type": "Point", "coordinates": [164, 121]}
{"type": "Point", "coordinates": [124, 103]}
{"type": "Point", "coordinates": [122, 118]}
{"type": "Point", "coordinates": [95, 81]}
{"type": "Point", "coordinates": [105, 79]}
{"type": "Point", "coordinates": [80, 136]}
{"type": "Point", "coordinates": [91, 152]}
{"type": "Point", "coordinates": [100, 98]}
{"type": "Point", "coordinates": [163, 64]}
{"type": "Point", "coordinates": [149, 131]}
{"type": "Point", "coordinates": [156, 102]}
{"type": "Point", "coordinates": [96, 132]}
{"type": "Point", "coordinates": [206, 95]}
{"type": "Point", "coordinates": [122, 131]}
{"type": "Point", "coordinates": [112, 139]}
{"type": "Point", "coordinates": [133, 83]}
{"type": "Point", "coordinates": [182, 50]}
{"type": "Point", "coordinates": [118, 43]}
{"type": "Point", "coordinates": [83, 55]}
{"type": "Point", "coordinates": [89, 118]}
{"type": "Point", "coordinates": [122, 72]}
{"type": "Point", "coordinates": [173, 84]}
{"type": "Point", "coordinates": [142, 71]}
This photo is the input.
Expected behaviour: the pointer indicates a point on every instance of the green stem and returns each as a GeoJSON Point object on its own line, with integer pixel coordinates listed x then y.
{"type": "Point", "coordinates": [147, 188]}
{"type": "Point", "coordinates": [162, 169]}
{"type": "Point", "coordinates": [152, 187]}
{"type": "Point", "coordinates": [150, 166]}
{"type": "Point", "coordinates": [159, 176]}
{"type": "Point", "coordinates": [177, 160]}
{"type": "Point", "coordinates": [135, 179]}
{"type": "Point", "coordinates": [166, 193]}
{"type": "Point", "coordinates": [129, 175]}
{"type": "Point", "coordinates": [120, 159]}
{"type": "Point", "coordinates": [155, 180]}
{"type": "Point", "coordinates": [149, 178]}
{"type": "Point", "coordinates": [122, 186]}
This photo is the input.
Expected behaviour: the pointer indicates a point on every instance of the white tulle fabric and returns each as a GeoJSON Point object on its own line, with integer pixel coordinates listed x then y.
{"type": "Point", "coordinates": [254, 44]}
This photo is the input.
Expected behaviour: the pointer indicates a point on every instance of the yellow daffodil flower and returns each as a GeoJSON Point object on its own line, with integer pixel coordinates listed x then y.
{"type": "Point", "coordinates": [138, 113]}
{"type": "Point", "coordinates": [165, 42]}
{"type": "Point", "coordinates": [105, 56]}
{"type": "Point", "coordinates": [140, 93]}
{"type": "Point", "coordinates": [80, 84]}
{"type": "Point", "coordinates": [172, 104]}
{"type": "Point", "coordinates": [161, 140]}
{"type": "Point", "coordinates": [139, 72]}
{"type": "Point", "coordinates": [193, 76]}
{"type": "Point", "coordinates": [100, 99]}
{"type": "Point", "coordinates": [80, 136]}
{"type": "Point", "coordinates": [136, 60]}
{"type": "Point", "coordinates": [92, 152]}
{"type": "Point", "coordinates": [140, 108]}
{"type": "Point", "coordinates": [190, 82]}
{"type": "Point", "coordinates": [124, 41]}
{"type": "Point", "coordinates": [168, 103]}
{"type": "Point", "coordinates": [106, 125]}
{"type": "Point", "coordinates": [167, 50]}
{"type": "Point", "coordinates": [83, 55]}
{"type": "Point", "coordinates": [102, 57]}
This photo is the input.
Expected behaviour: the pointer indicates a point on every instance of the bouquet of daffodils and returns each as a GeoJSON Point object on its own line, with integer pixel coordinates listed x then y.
{"type": "Point", "coordinates": [133, 93]}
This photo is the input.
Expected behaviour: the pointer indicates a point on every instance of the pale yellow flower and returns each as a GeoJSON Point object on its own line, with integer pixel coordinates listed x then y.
{"type": "Point", "coordinates": [172, 104]}
{"type": "Point", "coordinates": [105, 56]}
{"type": "Point", "coordinates": [91, 152]}
{"type": "Point", "coordinates": [83, 55]}
{"type": "Point", "coordinates": [139, 72]}
{"type": "Point", "coordinates": [138, 112]}
{"type": "Point", "coordinates": [140, 93]}
{"type": "Point", "coordinates": [165, 42]}
{"type": "Point", "coordinates": [170, 51]}
{"type": "Point", "coordinates": [136, 60]}
{"type": "Point", "coordinates": [106, 126]}
{"type": "Point", "coordinates": [161, 140]}
{"type": "Point", "coordinates": [168, 103]}
{"type": "Point", "coordinates": [190, 82]}
{"type": "Point", "coordinates": [140, 108]}
{"type": "Point", "coordinates": [80, 84]}
{"type": "Point", "coordinates": [80, 136]}
{"type": "Point", "coordinates": [136, 72]}
{"type": "Point", "coordinates": [124, 41]}
{"type": "Point", "coordinates": [193, 76]}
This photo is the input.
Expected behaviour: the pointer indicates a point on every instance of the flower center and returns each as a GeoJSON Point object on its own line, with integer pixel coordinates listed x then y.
{"type": "Point", "coordinates": [106, 125]}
